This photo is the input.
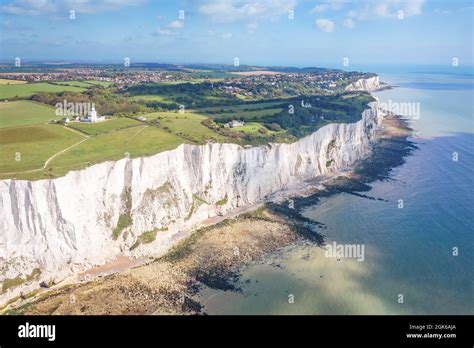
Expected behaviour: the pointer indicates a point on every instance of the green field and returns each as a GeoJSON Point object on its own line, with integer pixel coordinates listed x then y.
{"type": "Point", "coordinates": [11, 82]}
{"type": "Point", "coordinates": [193, 95]}
{"type": "Point", "coordinates": [99, 83]}
{"type": "Point", "coordinates": [22, 112]}
{"type": "Point", "coordinates": [108, 140]}
{"type": "Point", "coordinates": [135, 141]}
{"type": "Point", "coordinates": [212, 74]}
{"type": "Point", "coordinates": [141, 140]}
{"type": "Point", "coordinates": [253, 127]}
{"type": "Point", "coordinates": [29, 89]}
{"type": "Point", "coordinates": [115, 138]}
{"type": "Point", "coordinates": [81, 84]}
{"type": "Point", "coordinates": [35, 144]}
{"type": "Point", "coordinates": [105, 126]}
{"type": "Point", "coordinates": [153, 98]}
{"type": "Point", "coordinates": [168, 98]}
{"type": "Point", "coordinates": [84, 84]}
{"type": "Point", "coordinates": [239, 112]}
{"type": "Point", "coordinates": [241, 107]}
{"type": "Point", "coordinates": [254, 114]}
{"type": "Point", "coordinates": [187, 125]}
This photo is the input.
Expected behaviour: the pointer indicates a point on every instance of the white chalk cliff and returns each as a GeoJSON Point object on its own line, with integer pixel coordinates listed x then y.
{"type": "Point", "coordinates": [65, 225]}
{"type": "Point", "coordinates": [370, 84]}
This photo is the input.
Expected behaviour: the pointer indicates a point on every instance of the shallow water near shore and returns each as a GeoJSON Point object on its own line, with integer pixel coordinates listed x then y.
{"type": "Point", "coordinates": [407, 251]}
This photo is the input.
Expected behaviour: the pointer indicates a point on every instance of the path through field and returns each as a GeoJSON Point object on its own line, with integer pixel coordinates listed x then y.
{"type": "Point", "coordinates": [53, 156]}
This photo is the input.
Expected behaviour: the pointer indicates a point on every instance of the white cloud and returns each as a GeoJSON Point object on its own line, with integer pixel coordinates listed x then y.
{"type": "Point", "coordinates": [252, 26]}
{"type": "Point", "coordinates": [164, 32]}
{"type": "Point", "coordinates": [29, 7]}
{"type": "Point", "coordinates": [94, 6]}
{"type": "Point", "coordinates": [171, 28]}
{"type": "Point", "coordinates": [39, 7]}
{"type": "Point", "coordinates": [325, 25]}
{"type": "Point", "coordinates": [368, 9]}
{"type": "Point", "coordinates": [13, 26]}
{"type": "Point", "coordinates": [226, 35]}
{"type": "Point", "coordinates": [387, 9]}
{"type": "Point", "coordinates": [176, 25]}
{"type": "Point", "coordinates": [246, 10]}
{"type": "Point", "coordinates": [327, 6]}
{"type": "Point", "coordinates": [349, 23]}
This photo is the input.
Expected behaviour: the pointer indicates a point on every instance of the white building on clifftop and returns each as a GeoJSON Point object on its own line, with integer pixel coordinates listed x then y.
{"type": "Point", "coordinates": [93, 117]}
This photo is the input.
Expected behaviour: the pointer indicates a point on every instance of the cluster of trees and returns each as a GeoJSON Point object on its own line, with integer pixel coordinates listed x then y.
{"type": "Point", "coordinates": [323, 110]}
{"type": "Point", "coordinates": [159, 106]}
{"type": "Point", "coordinates": [169, 89]}
{"type": "Point", "coordinates": [106, 103]}
{"type": "Point", "coordinates": [227, 110]}
{"type": "Point", "coordinates": [192, 95]}
{"type": "Point", "coordinates": [304, 120]}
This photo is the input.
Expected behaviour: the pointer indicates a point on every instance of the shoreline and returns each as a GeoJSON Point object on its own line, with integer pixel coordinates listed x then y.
{"type": "Point", "coordinates": [285, 226]}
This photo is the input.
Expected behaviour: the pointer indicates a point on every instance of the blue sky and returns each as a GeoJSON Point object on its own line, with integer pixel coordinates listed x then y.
{"type": "Point", "coordinates": [260, 32]}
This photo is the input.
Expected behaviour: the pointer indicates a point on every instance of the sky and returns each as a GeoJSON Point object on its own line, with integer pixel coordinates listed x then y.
{"type": "Point", "coordinates": [258, 32]}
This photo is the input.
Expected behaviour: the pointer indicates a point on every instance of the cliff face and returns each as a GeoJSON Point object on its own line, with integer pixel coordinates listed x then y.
{"type": "Point", "coordinates": [67, 224]}
{"type": "Point", "coordinates": [369, 85]}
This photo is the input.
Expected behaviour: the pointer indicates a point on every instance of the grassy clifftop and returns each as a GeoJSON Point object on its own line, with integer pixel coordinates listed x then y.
{"type": "Point", "coordinates": [144, 119]}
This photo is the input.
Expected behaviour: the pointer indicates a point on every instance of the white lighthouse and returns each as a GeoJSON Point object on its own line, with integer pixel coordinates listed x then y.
{"type": "Point", "coordinates": [93, 115]}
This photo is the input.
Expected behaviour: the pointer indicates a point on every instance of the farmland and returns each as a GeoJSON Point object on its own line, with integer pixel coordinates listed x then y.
{"type": "Point", "coordinates": [105, 126]}
{"type": "Point", "coordinates": [79, 144]}
{"type": "Point", "coordinates": [84, 84]}
{"type": "Point", "coordinates": [47, 140]}
{"type": "Point", "coordinates": [22, 112]}
{"type": "Point", "coordinates": [133, 141]}
{"type": "Point", "coordinates": [98, 83]}
{"type": "Point", "coordinates": [241, 107]}
{"type": "Point", "coordinates": [26, 148]}
{"type": "Point", "coordinates": [186, 125]}
{"type": "Point", "coordinates": [192, 95]}
{"type": "Point", "coordinates": [254, 128]}
{"type": "Point", "coordinates": [29, 89]}
{"type": "Point", "coordinates": [82, 144]}
{"type": "Point", "coordinates": [243, 114]}
{"type": "Point", "coordinates": [153, 98]}
{"type": "Point", "coordinates": [11, 82]}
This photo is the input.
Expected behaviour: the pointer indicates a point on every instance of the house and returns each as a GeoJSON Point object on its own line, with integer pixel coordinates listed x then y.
{"type": "Point", "coordinates": [234, 124]}
{"type": "Point", "coordinates": [305, 105]}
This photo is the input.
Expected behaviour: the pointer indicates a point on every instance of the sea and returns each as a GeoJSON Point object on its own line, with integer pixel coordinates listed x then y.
{"type": "Point", "coordinates": [417, 239]}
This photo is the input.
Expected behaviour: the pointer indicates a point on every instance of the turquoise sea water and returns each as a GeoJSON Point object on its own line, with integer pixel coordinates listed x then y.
{"type": "Point", "coordinates": [408, 251]}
